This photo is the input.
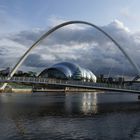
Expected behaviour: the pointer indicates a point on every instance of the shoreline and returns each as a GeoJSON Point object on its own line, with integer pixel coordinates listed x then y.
{"type": "Point", "coordinates": [29, 91]}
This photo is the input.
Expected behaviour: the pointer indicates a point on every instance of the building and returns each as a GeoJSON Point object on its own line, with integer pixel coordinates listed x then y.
{"type": "Point", "coordinates": [113, 80]}
{"type": "Point", "coordinates": [68, 71]}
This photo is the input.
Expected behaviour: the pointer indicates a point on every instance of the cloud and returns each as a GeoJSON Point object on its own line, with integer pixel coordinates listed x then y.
{"type": "Point", "coordinates": [58, 20]}
{"type": "Point", "coordinates": [127, 14]}
{"type": "Point", "coordinates": [85, 46]}
{"type": "Point", "coordinates": [10, 51]}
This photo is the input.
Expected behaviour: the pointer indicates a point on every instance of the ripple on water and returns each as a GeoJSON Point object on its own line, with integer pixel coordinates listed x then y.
{"type": "Point", "coordinates": [72, 116]}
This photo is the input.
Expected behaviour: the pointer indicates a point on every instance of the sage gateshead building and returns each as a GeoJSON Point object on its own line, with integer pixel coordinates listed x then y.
{"type": "Point", "coordinates": [68, 71]}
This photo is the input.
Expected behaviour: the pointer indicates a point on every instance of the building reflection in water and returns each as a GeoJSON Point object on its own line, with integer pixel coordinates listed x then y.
{"type": "Point", "coordinates": [89, 103]}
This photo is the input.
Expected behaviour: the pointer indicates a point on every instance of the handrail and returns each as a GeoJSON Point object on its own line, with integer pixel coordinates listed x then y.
{"type": "Point", "coordinates": [68, 83]}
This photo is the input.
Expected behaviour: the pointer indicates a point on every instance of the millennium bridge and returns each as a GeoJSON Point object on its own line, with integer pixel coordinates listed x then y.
{"type": "Point", "coordinates": [75, 84]}
{"type": "Point", "coordinates": [78, 84]}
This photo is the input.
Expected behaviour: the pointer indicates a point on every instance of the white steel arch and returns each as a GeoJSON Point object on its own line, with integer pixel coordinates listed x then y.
{"type": "Point", "coordinates": [135, 66]}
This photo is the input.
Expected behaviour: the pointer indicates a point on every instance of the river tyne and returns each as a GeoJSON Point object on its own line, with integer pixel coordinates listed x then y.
{"type": "Point", "coordinates": [70, 116]}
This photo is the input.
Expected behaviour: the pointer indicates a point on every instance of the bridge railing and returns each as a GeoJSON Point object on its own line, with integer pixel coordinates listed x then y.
{"type": "Point", "coordinates": [39, 80]}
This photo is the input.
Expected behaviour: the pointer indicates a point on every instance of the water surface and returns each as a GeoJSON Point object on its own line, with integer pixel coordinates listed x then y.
{"type": "Point", "coordinates": [39, 116]}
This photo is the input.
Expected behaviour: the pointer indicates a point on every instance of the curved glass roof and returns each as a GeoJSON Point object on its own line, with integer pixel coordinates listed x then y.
{"type": "Point", "coordinates": [72, 71]}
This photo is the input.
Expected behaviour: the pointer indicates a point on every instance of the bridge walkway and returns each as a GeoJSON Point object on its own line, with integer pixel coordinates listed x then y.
{"type": "Point", "coordinates": [71, 83]}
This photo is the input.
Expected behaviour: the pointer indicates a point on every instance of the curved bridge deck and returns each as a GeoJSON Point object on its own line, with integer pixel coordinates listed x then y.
{"type": "Point", "coordinates": [77, 84]}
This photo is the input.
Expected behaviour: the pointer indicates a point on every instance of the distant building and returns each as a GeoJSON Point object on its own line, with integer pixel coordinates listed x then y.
{"type": "Point", "coordinates": [105, 79]}
{"type": "Point", "coordinates": [68, 71]}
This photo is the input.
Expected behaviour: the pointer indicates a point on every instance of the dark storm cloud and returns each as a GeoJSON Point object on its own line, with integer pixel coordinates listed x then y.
{"type": "Point", "coordinates": [26, 37]}
{"type": "Point", "coordinates": [34, 60]}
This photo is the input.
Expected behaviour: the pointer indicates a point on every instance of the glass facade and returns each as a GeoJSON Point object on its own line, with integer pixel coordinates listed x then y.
{"type": "Point", "coordinates": [55, 73]}
{"type": "Point", "coordinates": [69, 71]}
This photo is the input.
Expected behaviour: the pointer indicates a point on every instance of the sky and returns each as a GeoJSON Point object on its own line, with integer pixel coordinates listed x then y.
{"type": "Point", "coordinates": [22, 22]}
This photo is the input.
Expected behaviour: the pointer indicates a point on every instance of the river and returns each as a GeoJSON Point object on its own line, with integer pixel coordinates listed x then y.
{"type": "Point", "coordinates": [70, 116]}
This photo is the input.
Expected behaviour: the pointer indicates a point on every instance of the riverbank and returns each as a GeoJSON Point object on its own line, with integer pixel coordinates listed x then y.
{"type": "Point", "coordinates": [16, 90]}
{"type": "Point", "coordinates": [30, 90]}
